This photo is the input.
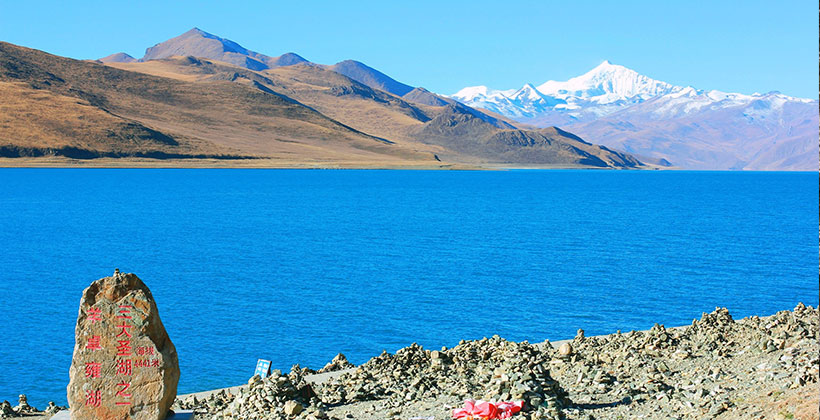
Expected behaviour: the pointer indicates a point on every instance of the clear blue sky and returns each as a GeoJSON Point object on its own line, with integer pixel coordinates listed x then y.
{"type": "Point", "coordinates": [737, 46]}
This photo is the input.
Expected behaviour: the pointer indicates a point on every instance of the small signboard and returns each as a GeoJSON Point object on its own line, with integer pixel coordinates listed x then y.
{"type": "Point", "coordinates": [262, 368]}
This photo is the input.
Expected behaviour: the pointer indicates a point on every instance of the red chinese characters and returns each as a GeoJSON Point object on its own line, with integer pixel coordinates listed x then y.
{"type": "Point", "coordinates": [124, 311]}
{"type": "Point", "coordinates": [145, 351]}
{"type": "Point", "coordinates": [93, 343]}
{"type": "Point", "coordinates": [123, 347]}
{"type": "Point", "coordinates": [124, 366]}
{"type": "Point", "coordinates": [124, 330]}
{"type": "Point", "coordinates": [94, 315]}
{"type": "Point", "coordinates": [93, 398]}
{"type": "Point", "coordinates": [92, 370]}
{"type": "Point", "coordinates": [121, 393]}
{"type": "Point", "coordinates": [143, 363]}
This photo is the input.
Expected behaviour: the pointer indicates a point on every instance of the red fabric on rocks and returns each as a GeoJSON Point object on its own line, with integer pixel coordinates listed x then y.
{"type": "Point", "coordinates": [486, 410]}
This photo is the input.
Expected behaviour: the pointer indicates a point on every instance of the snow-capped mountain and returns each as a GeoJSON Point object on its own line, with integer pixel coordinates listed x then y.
{"type": "Point", "coordinates": [600, 91]}
{"type": "Point", "coordinates": [715, 130]}
{"type": "Point", "coordinates": [494, 100]}
{"type": "Point", "coordinates": [607, 84]}
{"type": "Point", "coordinates": [621, 108]}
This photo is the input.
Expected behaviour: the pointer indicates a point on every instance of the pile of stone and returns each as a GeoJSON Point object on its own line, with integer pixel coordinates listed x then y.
{"type": "Point", "coordinates": [275, 397]}
{"type": "Point", "coordinates": [24, 409]}
{"type": "Point", "coordinates": [490, 369]}
{"type": "Point", "coordinates": [338, 363]}
{"type": "Point", "coordinates": [698, 371]}
{"type": "Point", "coordinates": [714, 368]}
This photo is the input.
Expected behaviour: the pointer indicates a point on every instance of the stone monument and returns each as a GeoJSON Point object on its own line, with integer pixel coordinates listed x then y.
{"type": "Point", "coordinates": [124, 364]}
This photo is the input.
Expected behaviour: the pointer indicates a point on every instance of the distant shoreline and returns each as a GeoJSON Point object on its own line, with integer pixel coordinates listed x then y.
{"type": "Point", "coordinates": [265, 163]}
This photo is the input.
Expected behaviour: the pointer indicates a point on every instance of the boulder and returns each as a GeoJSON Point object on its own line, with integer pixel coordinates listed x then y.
{"type": "Point", "coordinates": [124, 365]}
{"type": "Point", "coordinates": [339, 362]}
{"type": "Point", "coordinates": [566, 350]}
{"type": "Point", "coordinates": [23, 407]}
{"type": "Point", "coordinates": [293, 408]}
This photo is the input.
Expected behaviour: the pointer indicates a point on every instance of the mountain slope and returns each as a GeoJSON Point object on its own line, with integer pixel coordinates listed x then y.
{"type": "Point", "coordinates": [298, 114]}
{"type": "Point", "coordinates": [707, 130]}
{"type": "Point", "coordinates": [198, 43]}
{"type": "Point", "coordinates": [455, 133]}
{"type": "Point", "coordinates": [370, 77]}
{"type": "Point", "coordinates": [469, 134]}
{"type": "Point", "coordinates": [57, 125]}
{"type": "Point", "coordinates": [444, 127]}
{"type": "Point", "coordinates": [119, 57]}
{"type": "Point", "coordinates": [214, 116]}
{"type": "Point", "coordinates": [423, 96]}
{"type": "Point", "coordinates": [622, 109]}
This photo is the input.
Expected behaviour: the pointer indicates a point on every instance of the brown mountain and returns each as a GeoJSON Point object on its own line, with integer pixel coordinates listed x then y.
{"type": "Point", "coordinates": [198, 43]}
{"type": "Point", "coordinates": [454, 132]}
{"type": "Point", "coordinates": [119, 57]}
{"type": "Point", "coordinates": [301, 114]}
{"type": "Point", "coordinates": [136, 114]}
{"type": "Point", "coordinates": [421, 95]}
{"type": "Point", "coordinates": [370, 77]}
{"type": "Point", "coordinates": [467, 132]}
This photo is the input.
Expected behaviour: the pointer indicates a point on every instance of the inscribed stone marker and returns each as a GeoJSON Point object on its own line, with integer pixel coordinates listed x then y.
{"type": "Point", "coordinates": [125, 365]}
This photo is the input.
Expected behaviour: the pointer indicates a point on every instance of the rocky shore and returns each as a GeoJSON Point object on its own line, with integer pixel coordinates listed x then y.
{"type": "Point", "coordinates": [717, 367]}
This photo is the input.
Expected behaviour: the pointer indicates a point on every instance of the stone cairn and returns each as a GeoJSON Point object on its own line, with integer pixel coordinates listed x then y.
{"type": "Point", "coordinates": [338, 363]}
{"type": "Point", "coordinates": [23, 409]}
{"type": "Point", "coordinates": [124, 365]}
{"type": "Point", "coordinates": [491, 368]}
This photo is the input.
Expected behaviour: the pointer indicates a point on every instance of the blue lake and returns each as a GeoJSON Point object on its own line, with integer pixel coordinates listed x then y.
{"type": "Point", "coordinates": [296, 265]}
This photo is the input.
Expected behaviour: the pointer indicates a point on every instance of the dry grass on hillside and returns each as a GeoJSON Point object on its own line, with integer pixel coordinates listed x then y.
{"type": "Point", "coordinates": [37, 119]}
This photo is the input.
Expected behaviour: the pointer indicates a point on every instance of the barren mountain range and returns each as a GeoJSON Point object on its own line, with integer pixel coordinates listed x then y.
{"type": "Point", "coordinates": [198, 96]}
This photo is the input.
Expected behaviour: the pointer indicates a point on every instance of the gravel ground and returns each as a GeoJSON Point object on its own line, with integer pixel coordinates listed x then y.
{"type": "Point", "coordinates": [754, 368]}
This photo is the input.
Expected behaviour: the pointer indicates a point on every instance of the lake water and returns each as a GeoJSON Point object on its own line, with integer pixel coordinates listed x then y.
{"type": "Point", "coordinates": [298, 265]}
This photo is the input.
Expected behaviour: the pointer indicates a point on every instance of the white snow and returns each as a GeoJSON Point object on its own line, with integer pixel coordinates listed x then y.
{"type": "Point", "coordinates": [608, 83]}
{"type": "Point", "coordinates": [610, 88]}
{"type": "Point", "coordinates": [470, 92]}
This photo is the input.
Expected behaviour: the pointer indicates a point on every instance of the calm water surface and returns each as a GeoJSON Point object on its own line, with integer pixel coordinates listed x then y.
{"type": "Point", "coordinates": [296, 266]}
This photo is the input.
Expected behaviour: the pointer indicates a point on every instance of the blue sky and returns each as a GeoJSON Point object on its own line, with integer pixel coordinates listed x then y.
{"type": "Point", "coordinates": [738, 46]}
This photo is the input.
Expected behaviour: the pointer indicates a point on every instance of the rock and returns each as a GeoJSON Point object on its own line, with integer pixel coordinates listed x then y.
{"type": "Point", "coordinates": [491, 368]}
{"type": "Point", "coordinates": [124, 365]}
{"type": "Point", "coordinates": [53, 408]}
{"type": "Point", "coordinates": [6, 410]}
{"type": "Point", "coordinates": [339, 362]}
{"type": "Point", "coordinates": [684, 378]}
{"type": "Point", "coordinates": [293, 408]}
{"type": "Point", "coordinates": [565, 350]}
{"type": "Point", "coordinates": [22, 406]}
{"type": "Point", "coordinates": [681, 354]}
{"type": "Point", "coordinates": [579, 336]}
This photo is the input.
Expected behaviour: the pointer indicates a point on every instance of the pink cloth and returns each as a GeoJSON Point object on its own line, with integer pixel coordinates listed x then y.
{"type": "Point", "coordinates": [486, 410]}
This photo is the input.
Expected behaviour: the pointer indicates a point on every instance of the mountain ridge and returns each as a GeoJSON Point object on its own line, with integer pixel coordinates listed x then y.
{"type": "Point", "coordinates": [302, 114]}
{"type": "Point", "coordinates": [198, 43]}
{"type": "Point", "coordinates": [696, 129]}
